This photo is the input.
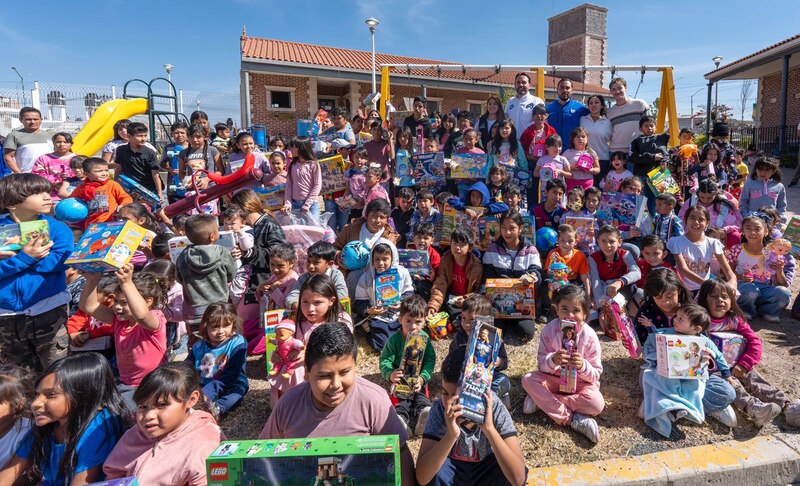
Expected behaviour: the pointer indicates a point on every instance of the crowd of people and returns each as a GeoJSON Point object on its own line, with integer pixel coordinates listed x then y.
{"type": "Point", "coordinates": [127, 373]}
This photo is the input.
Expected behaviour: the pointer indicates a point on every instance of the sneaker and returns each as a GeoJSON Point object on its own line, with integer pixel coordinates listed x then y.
{"type": "Point", "coordinates": [792, 414]}
{"type": "Point", "coordinates": [793, 184]}
{"type": "Point", "coordinates": [586, 426]}
{"type": "Point", "coordinates": [726, 416]}
{"type": "Point", "coordinates": [528, 407]}
{"type": "Point", "coordinates": [772, 319]}
{"type": "Point", "coordinates": [405, 425]}
{"type": "Point", "coordinates": [506, 399]}
{"type": "Point", "coordinates": [422, 420]}
{"type": "Point", "coordinates": [677, 415]}
{"type": "Point", "coordinates": [762, 413]}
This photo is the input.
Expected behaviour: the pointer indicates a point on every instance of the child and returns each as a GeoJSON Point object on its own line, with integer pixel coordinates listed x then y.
{"type": "Point", "coordinates": [763, 277]}
{"type": "Point", "coordinates": [479, 305]}
{"type": "Point", "coordinates": [204, 269]}
{"type": "Point", "coordinates": [685, 159]}
{"type": "Point", "coordinates": [431, 145]}
{"type": "Point", "coordinates": [219, 357]}
{"type": "Point", "coordinates": [426, 213]}
{"type": "Point", "coordinates": [654, 249]}
{"type": "Point", "coordinates": [667, 224]}
{"type": "Point", "coordinates": [477, 197]}
{"type": "Point", "coordinates": [612, 269]}
{"type": "Point", "coordinates": [233, 219]}
{"type": "Point", "coordinates": [16, 392]}
{"type": "Point", "coordinates": [278, 174]}
{"type": "Point", "coordinates": [402, 215]}
{"type": "Point", "coordinates": [575, 205]}
{"type": "Point", "coordinates": [548, 213]}
{"type": "Point", "coordinates": [199, 155]}
{"type": "Point", "coordinates": [694, 252]}
{"type": "Point", "coordinates": [304, 180]}
{"type": "Point", "coordinates": [282, 260]}
{"type": "Point", "coordinates": [120, 138]}
{"type": "Point", "coordinates": [578, 155]}
{"type": "Point", "coordinates": [664, 294]}
{"type": "Point", "coordinates": [382, 320]}
{"type": "Point", "coordinates": [578, 266]}
{"type": "Point", "coordinates": [512, 196]}
{"type": "Point", "coordinates": [496, 182]}
{"type": "Point", "coordinates": [175, 432]}
{"type": "Point", "coordinates": [79, 417]}
{"type": "Point", "coordinates": [556, 167]}
{"type": "Point", "coordinates": [617, 174]}
{"type": "Point", "coordinates": [722, 210]}
{"type": "Point", "coordinates": [591, 201]}
{"type": "Point", "coordinates": [571, 305]}
{"type": "Point", "coordinates": [102, 195]}
{"type": "Point", "coordinates": [667, 400]}
{"type": "Point", "coordinates": [319, 259]}
{"type": "Point", "coordinates": [412, 411]}
{"type": "Point", "coordinates": [764, 188]}
{"type": "Point", "coordinates": [757, 398]}
{"type": "Point", "coordinates": [381, 148]}
{"type": "Point", "coordinates": [774, 220]}
{"type": "Point", "coordinates": [403, 169]}
{"type": "Point", "coordinates": [33, 279]}
{"type": "Point", "coordinates": [356, 176]}
{"type": "Point", "coordinates": [505, 149]}
{"type": "Point", "coordinates": [373, 187]}
{"type": "Point", "coordinates": [244, 145]}
{"type": "Point", "coordinates": [69, 184]}
{"type": "Point", "coordinates": [632, 234]}
{"type": "Point", "coordinates": [648, 152]}
{"type": "Point", "coordinates": [55, 166]}
{"type": "Point", "coordinates": [710, 163]}
{"type": "Point", "coordinates": [177, 339]}
{"type": "Point", "coordinates": [82, 327]}
{"type": "Point", "coordinates": [459, 275]}
{"type": "Point", "coordinates": [423, 240]}
{"type": "Point", "coordinates": [455, 451]}
{"type": "Point", "coordinates": [469, 145]}
{"type": "Point", "coordinates": [222, 138]}
{"type": "Point", "coordinates": [139, 162]}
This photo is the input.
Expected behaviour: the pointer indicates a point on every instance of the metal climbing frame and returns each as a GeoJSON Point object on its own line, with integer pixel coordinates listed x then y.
{"type": "Point", "coordinates": [667, 109]}
{"type": "Point", "coordinates": [164, 117]}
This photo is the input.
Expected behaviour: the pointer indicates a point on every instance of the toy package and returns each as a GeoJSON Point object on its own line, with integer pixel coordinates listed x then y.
{"type": "Point", "coordinates": [413, 352]}
{"type": "Point", "coordinates": [179, 243]}
{"type": "Point", "coordinates": [333, 179]}
{"type": "Point", "coordinates": [285, 344]}
{"type": "Point", "coordinates": [662, 182]}
{"type": "Point", "coordinates": [584, 225]}
{"type": "Point", "coordinates": [618, 326]}
{"type": "Point", "coordinates": [106, 246]}
{"type": "Point", "coordinates": [776, 251]}
{"type": "Point", "coordinates": [476, 376]}
{"type": "Point", "coordinates": [511, 298]}
{"type": "Point", "coordinates": [792, 233]}
{"type": "Point", "coordinates": [100, 343]}
{"type": "Point", "coordinates": [138, 192]}
{"type": "Point", "coordinates": [489, 230]}
{"type": "Point", "coordinates": [732, 345]}
{"type": "Point", "coordinates": [585, 162]}
{"type": "Point", "coordinates": [129, 481]}
{"type": "Point", "coordinates": [568, 372]}
{"type": "Point", "coordinates": [387, 288]}
{"type": "Point", "coordinates": [557, 273]}
{"type": "Point", "coordinates": [438, 326]}
{"type": "Point", "coordinates": [345, 461]}
{"type": "Point", "coordinates": [528, 227]}
{"type": "Point", "coordinates": [452, 219]}
{"type": "Point", "coordinates": [625, 209]}
{"type": "Point", "coordinates": [468, 166]}
{"type": "Point", "coordinates": [397, 118]}
{"type": "Point", "coordinates": [417, 262]}
{"type": "Point", "coordinates": [272, 197]}
{"type": "Point", "coordinates": [14, 236]}
{"type": "Point", "coordinates": [404, 169]}
{"type": "Point", "coordinates": [316, 123]}
{"type": "Point", "coordinates": [429, 170]}
{"type": "Point", "coordinates": [269, 321]}
{"type": "Point", "coordinates": [681, 356]}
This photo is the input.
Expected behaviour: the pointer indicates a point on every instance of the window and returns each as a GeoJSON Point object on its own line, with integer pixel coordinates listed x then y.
{"type": "Point", "coordinates": [477, 108]}
{"type": "Point", "coordinates": [280, 98]}
{"type": "Point", "coordinates": [434, 104]}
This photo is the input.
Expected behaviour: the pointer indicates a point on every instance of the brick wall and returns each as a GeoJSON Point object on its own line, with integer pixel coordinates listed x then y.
{"type": "Point", "coordinates": [277, 122]}
{"type": "Point", "coordinates": [769, 104]}
{"type": "Point", "coordinates": [578, 37]}
{"type": "Point", "coordinates": [450, 98]}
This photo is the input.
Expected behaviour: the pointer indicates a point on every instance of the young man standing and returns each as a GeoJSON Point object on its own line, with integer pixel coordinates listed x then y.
{"type": "Point", "coordinates": [24, 146]}
{"type": "Point", "coordinates": [419, 118]}
{"type": "Point", "coordinates": [564, 114]}
{"type": "Point", "coordinates": [520, 108]}
{"type": "Point", "coordinates": [624, 116]}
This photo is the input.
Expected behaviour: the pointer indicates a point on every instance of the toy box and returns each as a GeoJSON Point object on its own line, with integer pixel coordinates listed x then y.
{"type": "Point", "coordinates": [106, 246]}
{"type": "Point", "coordinates": [731, 344]}
{"type": "Point", "coordinates": [468, 166]}
{"type": "Point", "coordinates": [429, 169]}
{"type": "Point", "coordinates": [626, 209]}
{"type": "Point", "coordinates": [568, 372]}
{"type": "Point", "coordinates": [387, 288]}
{"type": "Point", "coordinates": [618, 326]}
{"type": "Point", "coordinates": [792, 233]}
{"type": "Point", "coordinates": [585, 162]}
{"type": "Point", "coordinates": [511, 298]}
{"type": "Point", "coordinates": [270, 319]}
{"type": "Point", "coordinates": [346, 461]}
{"type": "Point", "coordinates": [662, 182]}
{"type": "Point", "coordinates": [14, 236]}
{"type": "Point", "coordinates": [179, 243]}
{"type": "Point", "coordinates": [129, 481]}
{"type": "Point", "coordinates": [138, 192]}
{"type": "Point", "coordinates": [413, 353]}
{"type": "Point", "coordinates": [438, 326]}
{"type": "Point", "coordinates": [489, 230]}
{"type": "Point", "coordinates": [417, 262]}
{"type": "Point", "coordinates": [404, 168]}
{"type": "Point", "coordinates": [333, 179]}
{"type": "Point", "coordinates": [100, 343]}
{"type": "Point", "coordinates": [680, 356]}
{"type": "Point", "coordinates": [272, 197]}
{"type": "Point", "coordinates": [453, 218]}
{"type": "Point", "coordinates": [476, 375]}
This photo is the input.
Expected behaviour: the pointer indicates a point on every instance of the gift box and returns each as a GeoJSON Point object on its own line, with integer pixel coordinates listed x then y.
{"type": "Point", "coordinates": [138, 192]}
{"type": "Point", "coordinates": [478, 368]}
{"type": "Point", "coordinates": [129, 481]}
{"type": "Point", "coordinates": [417, 262]}
{"type": "Point", "coordinates": [179, 243]}
{"type": "Point", "coordinates": [14, 236]}
{"type": "Point", "coordinates": [107, 246]}
{"type": "Point", "coordinates": [681, 356]}
{"type": "Point", "coordinates": [356, 460]}
{"type": "Point", "coordinates": [731, 344]}
{"type": "Point", "coordinates": [510, 298]}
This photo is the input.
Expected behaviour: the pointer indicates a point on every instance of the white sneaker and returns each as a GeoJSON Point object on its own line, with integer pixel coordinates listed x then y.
{"type": "Point", "coordinates": [640, 412]}
{"type": "Point", "coordinates": [726, 416]}
{"type": "Point", "coordinates": [762, 413]}
{"type": "Point", "coordinates": [792, 414]}
{"type": "Point", "coordinates": [528, 407]}
{"type": "Point", "coordinates": [771, 318]}
{"type": "Point", "coordinates": [586, 426]}
{"type": "Point", "coordinates": [405, 425]}
{"type": "Point", "coordinates": [422, 420]}
{"type": "Point", "coordinates": [677, 415]}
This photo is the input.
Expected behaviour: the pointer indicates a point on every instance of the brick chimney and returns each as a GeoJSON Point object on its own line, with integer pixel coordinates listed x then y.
{"type": "Point", "coordinates": [578, 37]}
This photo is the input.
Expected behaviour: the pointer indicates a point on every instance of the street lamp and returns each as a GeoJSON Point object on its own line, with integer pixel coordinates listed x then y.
{"type": "Point", "coordinates": [22, 83]}
{"type": "Point", "coordinates": [691, 106]}
{"type": "Point", "coordinates": [168, 67]}
{"type": "Point", "coordinates": [717, 60]}
{"type": "Point", "coordinates": [372, 22]}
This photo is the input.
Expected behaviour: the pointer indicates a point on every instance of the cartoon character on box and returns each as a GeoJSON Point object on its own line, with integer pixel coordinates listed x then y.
{"type": "Point", "coordinates": [286, 343]}
{"type": "Point", "coordinates": [438, 327]}
{"type": "Point", "coordinates": [483, 350]}
{"type": "Point", "coordinates": [557, 273]}
{"type": "Point", "coordinates": [776, 251]}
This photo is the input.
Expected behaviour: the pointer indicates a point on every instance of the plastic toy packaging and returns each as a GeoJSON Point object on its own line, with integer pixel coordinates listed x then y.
{"type": "Point", "coordinates": [618, 326]}
{"type": "Point", "coordinates": [438, 327]}
{"type": "Point", "coordinates": [568, 372]}
{"type": "Point", "coordinates": [284, 342]}
{"type": "Point", "coordinates": [107, 246]}
{"type": "Point", "coordinates": [557, 273]}
{"type": "Point", "coordinates": [681, 356]}
{"type": "Point", "coordinates": [413, 352]}
{"type": "Point", "coordinates": [14, 236]}
{"type": "Point", "coordinates": [476, 375]}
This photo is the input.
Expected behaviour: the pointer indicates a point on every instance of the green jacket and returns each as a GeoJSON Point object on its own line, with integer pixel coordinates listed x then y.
{"type": "Point", "coordinates": [392, 357]}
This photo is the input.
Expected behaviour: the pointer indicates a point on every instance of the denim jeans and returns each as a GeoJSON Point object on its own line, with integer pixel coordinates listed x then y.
{"type": "Point", "coordinates": [314, 209]}
{"type": "Point", "coordinates": [340, 216]}
{"type": "Point", "coordinates": [761, 298]}
{"type": "Point", "coordinates": [719, 394]}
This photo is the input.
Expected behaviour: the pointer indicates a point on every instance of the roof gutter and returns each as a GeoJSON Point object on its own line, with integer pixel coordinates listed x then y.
{"type": "Point", "coordinates": [765, 57]}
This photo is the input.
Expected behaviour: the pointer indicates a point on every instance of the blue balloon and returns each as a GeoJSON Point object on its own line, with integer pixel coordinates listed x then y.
{"type": "Point", "coordinates": [71, 210]}
{"type": "Point", "coordinates": [355, 255]}
{"type": "Point", "coordinates": [546, 239]}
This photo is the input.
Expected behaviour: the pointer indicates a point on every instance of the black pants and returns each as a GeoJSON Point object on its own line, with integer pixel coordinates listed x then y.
{"type": "Point", "coordinates": [34, 341]}
{"type": "Point", "coordinates": [524, 328]}
{"type": "Point", "coordinates": [410, 408]}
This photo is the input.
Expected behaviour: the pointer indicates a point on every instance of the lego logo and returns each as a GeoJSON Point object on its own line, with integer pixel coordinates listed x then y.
{"type": "Point", "coordinates": [218, 472]}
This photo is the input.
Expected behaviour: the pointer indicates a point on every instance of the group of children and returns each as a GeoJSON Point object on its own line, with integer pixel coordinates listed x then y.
{"type": "Point", "coordinates": [147, 404]}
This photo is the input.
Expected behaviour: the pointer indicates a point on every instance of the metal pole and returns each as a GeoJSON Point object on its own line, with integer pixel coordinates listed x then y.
{"type": "Point", "coordinates": [372, 32]}
{"type": "Point", "coordinates": [708, 110]}
{"type": "Point", "coordinates": [548, 68]}
{"type": "Point", "coordinates": [784, 103]}
{"type": "Point", "coordinates": [22, 84]}
{"type": "Point", "coordinates": [691, 108]}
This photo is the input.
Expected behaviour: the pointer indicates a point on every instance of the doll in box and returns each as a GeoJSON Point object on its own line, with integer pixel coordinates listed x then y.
{"type": "Point", "coordinates": [286, 343]}
{"type": "Point", "coordinates": [776, 251]}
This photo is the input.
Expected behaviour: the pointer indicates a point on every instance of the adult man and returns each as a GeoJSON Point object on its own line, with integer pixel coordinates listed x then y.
{"type": "Point", "coordinates": [24, 146]}
{"type": "Point", "coordinates": [341, 126]}
{"type": "Point", "coordinates": [520, 108]}
{"type": "Point", "coordinates": [564, 114]}
{"type": "Point", "coordinates": [419, 118]}
{"type": "Point", "coordinates": [624, 116]}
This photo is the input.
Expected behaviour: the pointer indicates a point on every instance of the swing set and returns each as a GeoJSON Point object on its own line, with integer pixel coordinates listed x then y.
{"type": "Point", "coordinates": [667, 110]}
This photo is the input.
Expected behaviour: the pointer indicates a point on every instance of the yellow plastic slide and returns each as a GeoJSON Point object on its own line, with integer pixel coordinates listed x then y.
{"type": "Point", "coordinates": [99, 130]}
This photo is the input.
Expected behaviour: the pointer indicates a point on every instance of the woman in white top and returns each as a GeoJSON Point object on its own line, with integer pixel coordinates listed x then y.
{"type": "Point", "coordinates": [599, 129]}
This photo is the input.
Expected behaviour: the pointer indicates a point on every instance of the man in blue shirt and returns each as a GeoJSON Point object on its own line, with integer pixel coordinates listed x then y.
{"type": "Point", "coordinates": [564, 114]}
{"type": "Point", "coordinates": [341, 126]}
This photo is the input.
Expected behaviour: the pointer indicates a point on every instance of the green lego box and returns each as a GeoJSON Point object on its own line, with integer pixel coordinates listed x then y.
{"type": "Point", "coordinates": [347, 461]}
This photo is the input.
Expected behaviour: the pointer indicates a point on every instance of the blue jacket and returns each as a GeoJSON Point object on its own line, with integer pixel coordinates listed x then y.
{"type": "Point", "coordinates": [491, 207]}
{"type": "Point", "coordinates": [24, 281]}
{"type": "Point", "coordinates": [565, 118]}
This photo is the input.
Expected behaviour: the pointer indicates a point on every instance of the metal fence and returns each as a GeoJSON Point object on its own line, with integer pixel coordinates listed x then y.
{"type": "Point", "coordinates": [766, 139]}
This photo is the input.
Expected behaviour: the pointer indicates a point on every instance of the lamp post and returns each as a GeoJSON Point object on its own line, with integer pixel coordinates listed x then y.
{"type": "Point", "coordinates": [691, 107]}
{"type": "Point", "coordinates": [372, 22]}
{"type": "Point", "coordinates": [168, 68]}
{"type": "Point", "coordinates": [22, 83]}
{"type": "Point", "coordinates": [717, 60]}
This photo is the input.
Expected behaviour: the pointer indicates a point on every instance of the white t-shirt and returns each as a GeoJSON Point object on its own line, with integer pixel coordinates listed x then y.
{"type": "Point", "coordinates": [612, 180]}
{"type": "Point", "coordinates": [10, 441]}
{"type": "Point", "coordinates": [698, 256]}
{"type": "Point", "coordinates": [599, 135]}
{"type": "Point", "coordinates": [520, 111]}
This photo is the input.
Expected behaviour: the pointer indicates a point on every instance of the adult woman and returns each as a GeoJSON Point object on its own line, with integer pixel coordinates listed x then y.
{"type": "Point", "coordinates": [120, 137]}
{"type": "Point", "coordinates": [624, 116]}
{"type": "Point", "coordinates": [446, 129]}
{"type": "Point", "coordinates": [494, 113]}
{"type": "Point", "coordinates": [599, 129]}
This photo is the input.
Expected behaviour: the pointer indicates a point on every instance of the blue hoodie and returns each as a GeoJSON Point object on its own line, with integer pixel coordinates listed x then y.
{"type": "Point", "coordinates": [491, 207]}
{"type": "Point", "coordinates": [24, 280]}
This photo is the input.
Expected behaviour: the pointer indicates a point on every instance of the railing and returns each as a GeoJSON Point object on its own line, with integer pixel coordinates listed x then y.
{"type": "Point", "coordinates": [766, 139]}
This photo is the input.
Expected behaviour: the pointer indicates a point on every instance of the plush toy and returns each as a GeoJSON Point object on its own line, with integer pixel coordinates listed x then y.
{"type": "Point", "coordinates": [285, 343]}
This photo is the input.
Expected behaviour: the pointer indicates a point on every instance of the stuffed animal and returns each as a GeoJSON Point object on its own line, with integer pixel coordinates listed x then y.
{"type": "Point", "coordinates": [286, 343]}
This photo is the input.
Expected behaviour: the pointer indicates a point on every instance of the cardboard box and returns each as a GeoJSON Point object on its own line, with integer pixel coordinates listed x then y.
{"type": "Point", "coordinates": [387, 288]}
{"type": "Point", "coordinates": [351, 461]}
{"type": "Point", "coordinates": [100, 343]}
{"type": "Point", "coordinates": [568, 373]}
{"type": "Point", "coordinates": [732, 345]}
{"type": "Point", "coordinates": [179, 243]}
{"type": "Point", "coordinates": [510, 298]}
{"type": "Point", "coordinates": [107, 246]}
{"type": "Point", "coordinates": [417, 262]}
{"type": "Point", "coordinates": [413, 354]}
{"type": "Point", "coordinates": [476, 374]}
{"type": "Point", "coordinates": [680, 356]}
{"type": "Point", "coordinates": [14, 236]}
{"type": "Point", "coordinates": [138, 192]}
{"type": "Point", "coordinates": [129, 481]}
{"type": "Point", "coordinates": [269, 320]}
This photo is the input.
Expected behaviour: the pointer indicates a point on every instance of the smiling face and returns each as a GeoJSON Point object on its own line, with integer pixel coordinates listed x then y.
{"type": "Point", "coordinates": [667, 301]}
{"type": "Point", "coordinates": [467, 320]}
{"type": "Point", "coordinates": [522, 84]}
{"type": "Point", "coordinates": [618, 164]}
{"type": "Point", "coordinates": [570, 310]}
{"type": "Point", "coordinates": [280, 267]}
{"type": "Point", "coordinates": [619, 91]}
{"type": "Point", "coordinates": [594, 105]}
{"type": "Point", "coordinates": [315, 265]}
{"type": "Point", "coordinates": [423, 242]}
{"type": "Point", "coordinates": [123, 311]}
{"type": "Point", "coordinates": [505, 131]}
{"type": "Point", "coordinates": [331, 380]}
{"type": "Point", "coordinates": [592, 202]}
{"type": "Point", "coordinates": [566, 242]}
{"type": "Point", "coordinates": [754, 231]}
{"type": "Point", "coordinates": [564, 90]}
{"type": "Point", "coordinates": [419, 110]}
{"type": "Point", "coordinates": [219, 334]}
{"type": "Point", "coordinates": [160, 416]}
{"type": "Point", "coordinates": [475, 198]}
{"type": "Point", "coordinates": [653, 255]}
{"type": "Point", "coordinates": [315, 306]}
{"type": "Point", "coordinates": [376, 221]}
{"type": "Point", "coordinates": [696, 223]}
{"type": "Point", "coordinates": [509, 230]}
{"type": "Point", "coordinates": [609, 244]}
{"type": "Point", "coordinates": [381, 261]}
{"type": "Point", "coordinates": [247, 145]}
{"type": "Point", "coordinates": [50, 405]}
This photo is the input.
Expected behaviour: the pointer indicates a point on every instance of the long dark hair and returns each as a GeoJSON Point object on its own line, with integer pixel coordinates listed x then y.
{"type": "Point", "coordinates": [305, 151]}
{"type": "Point", "coordinates": [195, 129]}
{"type": "Point", "coordinates": [517, 219]}
{"type": "Point", "coordinates": [139, 211]}
{"type": "Point", "coordinates": [709, 186]}
{"type": "Point", "coordinates": [88, 385]}
{"type": "Point", "coordinates": [442, 130]}
{"type": "Point", "coordinates": [497, 141]}
{"type": "Point", "coordinates": [176, 381]}
{"type": "Point", "coordinates": [323, 285]}
{"type": "Point", "coordinates": [711, 284]}
{"type": "Point", "coordinates": [661, 280]}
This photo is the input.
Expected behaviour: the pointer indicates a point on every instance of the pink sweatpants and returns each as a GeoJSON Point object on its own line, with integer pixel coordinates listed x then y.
{"type": "Point", "coordinates": [543, 389]}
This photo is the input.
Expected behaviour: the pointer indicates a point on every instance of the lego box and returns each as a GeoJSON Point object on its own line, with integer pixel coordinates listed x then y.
{"type": "Point", "coordinates": [107, 246]}
{"type": "Point", "coordinates": [511, 298]}
{"type": "Point", "coordinates": [681, 356]}
{"type": "Point", "coordinates": [731, 344]}
{"type": "Point", "coordinates": [14, 236]}
{"type": "Point", "coordinates": [269, 320]}
{"type": "Point", "coordinates": [138, 192]}
{"type": "Point", "coordinates": [348, 461]}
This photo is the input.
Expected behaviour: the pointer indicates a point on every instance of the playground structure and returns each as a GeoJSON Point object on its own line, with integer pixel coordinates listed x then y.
{"type": "Point", "coordinates": [667, 110]}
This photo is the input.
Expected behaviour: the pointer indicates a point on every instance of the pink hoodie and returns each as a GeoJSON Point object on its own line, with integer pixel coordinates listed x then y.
{"type": "Point", "coordinates": [176, 460]}
{"type": "Point", "coordinates": [586, 343]}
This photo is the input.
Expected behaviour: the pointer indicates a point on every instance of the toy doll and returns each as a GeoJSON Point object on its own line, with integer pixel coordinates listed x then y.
{"type": "Point", "coordinates": [286, 343]}
{"type": "Point", "coordinates": [776, 251]}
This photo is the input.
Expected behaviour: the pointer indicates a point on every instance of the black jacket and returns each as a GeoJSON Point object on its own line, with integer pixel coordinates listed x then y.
{"type": "Point", "coordinates": [266, 232]}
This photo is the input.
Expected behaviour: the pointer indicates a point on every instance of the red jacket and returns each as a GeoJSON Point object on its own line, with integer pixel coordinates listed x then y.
{"type": "Point", "coordinates": [528, 138]}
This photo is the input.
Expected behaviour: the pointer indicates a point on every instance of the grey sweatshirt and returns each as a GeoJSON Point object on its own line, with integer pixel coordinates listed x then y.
{"type": "Point", "coordinates": [204, 271]}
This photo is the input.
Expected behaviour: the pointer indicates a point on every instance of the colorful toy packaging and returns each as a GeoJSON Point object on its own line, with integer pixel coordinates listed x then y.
{"type": "Point", "coordinates": [107, 246]}
{"type": "Point", "coordinates": [417, 262]}
{"type": "Point", "coordinates": [662, 182]}
{"type": "Point", "coordinates": [731, 344]}
{"type": "Point", "coordinates": [792, 233]}
{"type": "Point", "coordinates": [14, 236]}
{"type": "Point", "coordinates": [387, 288]}
{"type": "Point", "coordinates": [618, 326]}
{"type": "Point", "coordinates": [511, 298]}
{"type": "Point", "coordinates": [269, 321]}
{"type": "Point", "coordinates": [129, 481]}
{"type": "Point", "coordinates": [429, 169]}
{"type": "Point", "coordinates": [438, 327]}
{"type": "Point", "coordinates": [179, 243]}
{"type": "Point", "coordinates": [585, 162]}
{"type": "Point", "coordinates": [568, 372]}
{"type": "Point", "coordinates": [557, 273]}
{"type": "Point", "coordinates": [138, 192]}
{"type": "Point", "coordinates": [345, 461]}
{"type": "Point", "coordinates": [333, 179]}
{"type": "Point", "coordinates": [476, 376]}
{"type": "Point", "coordinates": [272, 197]}
{"type": "Point", "coordinates": [681, 356]}
{"type": "Point", "coordinates": [411, 365]}
{"type": "Point", "coordinates": [625, 209]}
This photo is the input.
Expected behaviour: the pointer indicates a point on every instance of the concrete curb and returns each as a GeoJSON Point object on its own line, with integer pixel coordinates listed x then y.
{"type": "Point", "coordinates": [761, 460]}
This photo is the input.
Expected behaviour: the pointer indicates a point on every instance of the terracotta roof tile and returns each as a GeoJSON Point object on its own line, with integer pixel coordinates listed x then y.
{"type": "Point", "coordinates": [773, 46]}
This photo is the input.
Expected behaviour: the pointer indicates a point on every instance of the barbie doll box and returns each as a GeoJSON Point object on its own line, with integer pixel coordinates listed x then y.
{"type": "Point", "coordinates": [107, 246]}
{"type": "Point", "coordinates": [681, 356]}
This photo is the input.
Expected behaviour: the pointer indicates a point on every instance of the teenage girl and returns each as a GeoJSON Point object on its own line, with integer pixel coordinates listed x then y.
{"type": "Point", "coordinates": [617, 174]}
{"type": "Point", "coordinates": [78, 416]}
{"type": "Point", "coordinates": [55, 166]}
{"type": "Point", "coordinates": [722, 210]}
{"type": "Point", "coordinates": [243, 145]}
{"type": "Point", "coordinates": [175, 431]}
{"type": "Point", "coordinates": [764, 188]}
{"type": "Point", "coordinates": [140, 328]}
{"type": "Point", "coordinates": [120, 138]}
{"type": "Point", "coordinates": [199, 155]}
{"type": "Point", "coordinates": [16, 392]}
{"type": "Point", "coordinates": [304, 180]}
{"type": "Point", "coordinates": [665, 293]}
{"type": "Point", "coordinates": [446, 130]}
{"type": "Point", "coordinates": [579, 156]}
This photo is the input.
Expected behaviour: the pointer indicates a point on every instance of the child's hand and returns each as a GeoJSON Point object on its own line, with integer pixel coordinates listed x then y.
{"type": "Point", "coordinates": [560, 356]}
{"type": "Point", "coordinates": [458, 301]}
{"type": "Point", "coordinates": [576, 360]}
{"type": "Point", "coordinates": [777, 266]}
{"type": "Point", "coordinates": [746, 277]}
{"type": "Point", "coordinates": [431, 313]}
{"type": "Point", "coordinates": [488, 419]}
{"type": "Point", "coordinates": [394, 308]}
{"type": "Point", "coordinates": [125, 274]}
{"type": "Point", "coordinates": [287, 207]}
{"type": "Point", "coordinates": [613, 289]}
{"type": "Point", "coordinates": [472, 214]}
{"type": "Point", "coordinates": [635, 232]}
{"type": "Point", "coordinates": [738, 371]}
{"type": "Point", "coordinates": [453, 412]}
{"type": "Point", "coordinates": [236, 252]}
{"type": "Point", "coordinates": [296, 355]}
{"type": "Point", "coordinates": [529, 279]}
{"type": "Point", "coordinates": [418, 386]}
{"type": "Point", "coordinates": [36, 248]}
{"type": "Point", "coordinates": [645, 321]}
{"type": "Point", "coordinates": [264, 288]}
{"type": "Point", "coordinates": [376, 311]}
{"type": "Point", "coordinates": [79, 338]}
{"type": "Point", "coordinates": [396, 376]}
{"type": "Point", "coordinates": [7, 254]}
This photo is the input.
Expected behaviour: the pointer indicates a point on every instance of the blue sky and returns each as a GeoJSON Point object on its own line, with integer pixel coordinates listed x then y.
{"type": "Point", "coordinates": [100, 43]}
